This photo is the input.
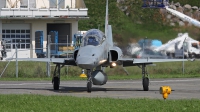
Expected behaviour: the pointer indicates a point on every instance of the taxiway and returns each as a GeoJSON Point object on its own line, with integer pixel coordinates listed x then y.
{"type": "Point", "coordinates": [182, 88]}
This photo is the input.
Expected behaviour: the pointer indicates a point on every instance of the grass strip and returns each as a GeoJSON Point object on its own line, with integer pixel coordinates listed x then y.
{"type": "Point", "coordinates": [41, 103]}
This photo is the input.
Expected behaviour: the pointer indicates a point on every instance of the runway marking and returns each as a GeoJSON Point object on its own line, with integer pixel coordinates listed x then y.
{"type": "Point", "coordinates": [117, 82]}
{"type": "Point", "coordinates": [187, 80]}
{"type": "Point", "coordinates": [25, 84]}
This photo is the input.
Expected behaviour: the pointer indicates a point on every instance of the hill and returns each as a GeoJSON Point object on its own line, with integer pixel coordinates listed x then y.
{"type": "Point", "coordinates": [135, 23]}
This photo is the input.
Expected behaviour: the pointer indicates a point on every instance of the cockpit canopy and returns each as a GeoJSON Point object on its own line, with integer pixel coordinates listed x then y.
{"type": "Point", "coordinates": [93, 37]}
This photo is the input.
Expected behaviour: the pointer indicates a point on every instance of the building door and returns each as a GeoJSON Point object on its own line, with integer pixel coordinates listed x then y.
{"type": "Point", "coordinates": [17, 35]}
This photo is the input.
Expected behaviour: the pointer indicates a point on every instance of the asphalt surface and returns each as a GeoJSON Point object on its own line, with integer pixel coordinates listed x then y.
{"type": "Point", "coordinates": [181, 88]}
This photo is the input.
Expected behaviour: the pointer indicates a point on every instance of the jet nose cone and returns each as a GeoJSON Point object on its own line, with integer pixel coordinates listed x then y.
{"type": "Point", "coordinates": [86, 62]}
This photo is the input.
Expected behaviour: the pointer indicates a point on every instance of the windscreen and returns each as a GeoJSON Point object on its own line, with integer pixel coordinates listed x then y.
{"type": "Point", "coordinates": [93, 37]}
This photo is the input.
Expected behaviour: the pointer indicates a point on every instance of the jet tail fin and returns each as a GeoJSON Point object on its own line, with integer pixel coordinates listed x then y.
{"type": "Point", "coordinates": [110, 37]}
{"type": "Point", "coordinates": [106, 19]}
{"type": "Point", "coordinates": [108, 28]}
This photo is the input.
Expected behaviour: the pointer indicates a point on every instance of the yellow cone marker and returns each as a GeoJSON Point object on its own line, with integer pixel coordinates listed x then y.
{"type": "Point", "coordinates": [165, 91]}
{"type": "Point", "coordinates": [83, 75]}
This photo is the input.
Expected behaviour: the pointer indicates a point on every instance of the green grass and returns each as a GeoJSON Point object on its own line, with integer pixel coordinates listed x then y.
{"type": "Point", "coordinates": [40, 103]}
{"type": "Point", "coordinates": [37, 70]}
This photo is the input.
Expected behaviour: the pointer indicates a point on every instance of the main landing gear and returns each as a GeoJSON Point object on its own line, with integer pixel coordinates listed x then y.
{"type": "Point", "coordinates": [56, 77]}
{"type": "Point", "coordinates": [89, 81]}
{"type": "Point", "coordinates": [145, 78]}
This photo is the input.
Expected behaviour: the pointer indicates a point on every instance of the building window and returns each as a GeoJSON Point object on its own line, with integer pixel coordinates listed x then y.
{"type": "Point", "coordinates": [14, 37]}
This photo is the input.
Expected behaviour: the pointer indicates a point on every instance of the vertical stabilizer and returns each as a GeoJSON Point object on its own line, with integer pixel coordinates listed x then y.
{"type": "Point", "coordinates": [106, 19]}
{"type": "Point", "coordinates": [110, 37]}
{"type": "Point", "coordinates": [108, 28]}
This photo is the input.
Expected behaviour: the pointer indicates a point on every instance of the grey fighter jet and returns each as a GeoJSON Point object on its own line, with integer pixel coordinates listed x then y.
{"type": "Point", "coordinates": [96, 52]}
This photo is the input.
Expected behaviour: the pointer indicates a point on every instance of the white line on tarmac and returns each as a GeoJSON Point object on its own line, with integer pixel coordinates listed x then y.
{"type": "Point", "coordinates": [25, 84]}
{"type": "Point", "coordinates": [187, 80]}
{"type": "Point", "coordinates": [116, 82]}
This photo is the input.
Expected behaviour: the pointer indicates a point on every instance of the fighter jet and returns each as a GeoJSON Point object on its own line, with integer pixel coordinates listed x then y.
{"type": "Point", "coordinates": [96, 52]}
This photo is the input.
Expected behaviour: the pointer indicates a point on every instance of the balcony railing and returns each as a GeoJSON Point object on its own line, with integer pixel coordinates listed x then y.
{"type": "Point", "coordinates": [24, 11]}
{"type": "Point", "coordinates": [43, 12]}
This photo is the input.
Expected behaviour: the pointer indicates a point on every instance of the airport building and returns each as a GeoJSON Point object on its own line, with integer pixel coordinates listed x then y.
{"type": "Point", "coordinates": [20, 20]}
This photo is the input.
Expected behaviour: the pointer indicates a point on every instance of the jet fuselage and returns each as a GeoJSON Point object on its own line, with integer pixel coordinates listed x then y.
{"type": "Point", "coordinates": [94, 50]}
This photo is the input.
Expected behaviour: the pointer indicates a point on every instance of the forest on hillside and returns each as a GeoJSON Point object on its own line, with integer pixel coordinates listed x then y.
{"type": "Point", "coordinates": [136, 22]}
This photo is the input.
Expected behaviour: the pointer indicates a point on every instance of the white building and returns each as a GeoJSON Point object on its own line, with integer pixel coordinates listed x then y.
{"type": "Point", "coordinates": [21, 19]}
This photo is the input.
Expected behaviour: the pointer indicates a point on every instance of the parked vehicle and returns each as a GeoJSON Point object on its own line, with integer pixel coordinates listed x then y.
{"type": "Point", "coordinates": [148, 53]}
{"type": "Point", "coordinates": [174, 48]}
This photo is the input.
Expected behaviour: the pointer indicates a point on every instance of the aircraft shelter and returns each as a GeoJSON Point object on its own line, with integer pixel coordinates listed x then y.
{"type": "Point", "coordinates": [20, 20]}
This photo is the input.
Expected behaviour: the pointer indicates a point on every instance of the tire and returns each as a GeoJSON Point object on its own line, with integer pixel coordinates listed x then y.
{"type": "Point", "coordinates": [89, 87]}
{"type": "Point", "coordinates": [145, 83]}
{"type": "Point", "coordinates": [193, 56]}
{"type": "Point", "coordinates": [56, 83]}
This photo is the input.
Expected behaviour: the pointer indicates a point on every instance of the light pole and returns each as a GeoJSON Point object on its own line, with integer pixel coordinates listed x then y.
{"type": "Point", "coordinates": [16, 47]}
{"type": "Point", "coordinates": [183, 57]}
{"type": "Point", "coordinates": [143, 46]}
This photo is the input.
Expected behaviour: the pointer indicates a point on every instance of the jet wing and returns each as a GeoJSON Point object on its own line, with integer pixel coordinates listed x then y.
{"type": "Point", "coordinates": [135, 61]}
{"type": "Point", "coordinates": [66, 61]}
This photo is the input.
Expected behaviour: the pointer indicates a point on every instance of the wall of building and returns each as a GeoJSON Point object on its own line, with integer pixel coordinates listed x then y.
{"type": "Point", "coordinates": [40, 25]}
{"type": "Point", "coordinates": [36, 26]}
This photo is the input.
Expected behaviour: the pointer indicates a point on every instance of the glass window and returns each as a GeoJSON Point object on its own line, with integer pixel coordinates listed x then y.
{"type": "Point", "coordinates": [17, 36]}
{"type": "Point", "coordinates": [8, 40]}
{"type": "Point", "coordinates": [92, 41]}
{"type": "Point", "coordinates": [53, 3]}
{"type": "Point", "coordinates": [17, 40]}
{"type": "Point", "coordinates": [7, 31]}
{"type": "Point", "coordinates": [12, 36]}
{"type": "Point", "coordinates": [17, 31]}
{"type": "Point", "coordinates": [12, 31]}
{"type": "Point", "coordinates": [8, 46]}
{"type": "Point", "coordinates": [27, 40]}
{"type": "Point", "coordinates": [13, 46]}
{"type": "Point", "coordinates": [27, 36]}
{"type": "Point", "coordinates": [23, 36]}
{"type": "Point", "coordinates": [195, 45]}
{"type": "Point", "coordinates": [22, 46]}
{"type": "Point", "coordinates": [3, 36]}
{"type": "Point", "coordinates": [13, 41]}
{"type": "Point", "coordinates": [22, 31]}
{"type": "Point", "coordinates": [7, 36]}
{"type": "Point", "coordinates": [27, 45]}
{"type": "Point", "coordinates": [22, 40]}
{"type": "Point", "coordinates": [27, 31]}
{"type": "Point", "coordinates": [93, 37]}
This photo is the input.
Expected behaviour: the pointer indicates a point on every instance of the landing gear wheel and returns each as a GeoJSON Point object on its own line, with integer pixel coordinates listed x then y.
{"type": "Point", "coordinates": [56, 83]}
{"type": "Point", "coordinates": [145, 83]}
{"type": "Point", "coordinates": [89, 87]}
